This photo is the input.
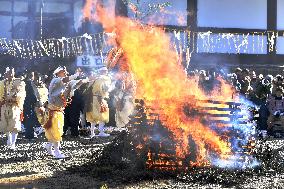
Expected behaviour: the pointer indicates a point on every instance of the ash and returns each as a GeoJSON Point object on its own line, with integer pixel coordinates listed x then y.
{"type": "Point", "coordinates": [114, 163]}
{"type": "Point", "coordinates": [119, 163]}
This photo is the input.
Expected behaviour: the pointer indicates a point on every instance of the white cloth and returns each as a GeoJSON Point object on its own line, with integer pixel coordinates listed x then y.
{"type": "Point", "coordinates": [14, 138]}
{"type": "Point", "coordinates": [101, 127]}
{"type": "Point", "coordinates": [57, 153]}
{"type": "Point", "coordinates": [75, 76]}
{"type": "Point", "coordinates": [9, 139]}
{"type": "Point", "coordinates": [10, 115]}
{"type": "Point", "coordinates": [93, 127]}
{"type": "Point", "coordinates": [122, 117]}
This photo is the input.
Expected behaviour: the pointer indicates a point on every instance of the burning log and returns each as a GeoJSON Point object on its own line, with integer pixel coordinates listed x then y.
{"type": "Point", "coordinates": [148, 150]}
{"type": "Point", "coordinates": [150, 135]}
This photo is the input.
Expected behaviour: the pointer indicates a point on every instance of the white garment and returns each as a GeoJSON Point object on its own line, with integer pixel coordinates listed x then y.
{"type": "Point", "coordinates": [122, 117]}
{"type": "Point", "coordinates": [9, 139]}
{"type": "Point", "coordinates": [48, 147]}
{"type": "Point", "coordinates": [93, 127]}
{"type": "Point", "coordinates": [101, 129]}
{"type": "Point", "coordinates": [57, 153]}
{"type": "Point", "coordinates": [13, 139]}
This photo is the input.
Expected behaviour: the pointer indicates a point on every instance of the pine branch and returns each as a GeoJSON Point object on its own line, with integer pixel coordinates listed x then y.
{"type": "Point", "coordinates": [151, 9]}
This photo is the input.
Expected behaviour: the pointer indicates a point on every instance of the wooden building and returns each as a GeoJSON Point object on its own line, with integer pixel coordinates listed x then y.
{"type": "Point", "coordinates": [254, 19]}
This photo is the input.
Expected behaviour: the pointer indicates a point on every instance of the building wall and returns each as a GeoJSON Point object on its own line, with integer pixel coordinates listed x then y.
{"type": "Point", "coordinates": [280, 14]}
{"type": "Point", "coordinates": [280, 25]}
{"type": "Point", "coordinates": [245, 14]}
{"type": "Point", "coordinates": [26, 19]}
{"type": "Point", "coordinates": [248, 14]}
{"type": "Point", "coordinates": [5, 21]}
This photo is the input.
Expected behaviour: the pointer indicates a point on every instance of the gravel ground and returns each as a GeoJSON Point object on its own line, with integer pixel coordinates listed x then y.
{"type": "Point", "coordinates": [31, 167]}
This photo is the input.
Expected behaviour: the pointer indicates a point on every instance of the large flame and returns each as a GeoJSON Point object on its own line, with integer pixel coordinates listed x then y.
{"type": "Point", "coordinates": [164, 85]}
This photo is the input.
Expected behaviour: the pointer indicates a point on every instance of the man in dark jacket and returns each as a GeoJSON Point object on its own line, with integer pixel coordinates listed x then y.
{"type": "Point", "coordinates": [72, 114]}
{"type": "Point", "coordinates": [30, 119]}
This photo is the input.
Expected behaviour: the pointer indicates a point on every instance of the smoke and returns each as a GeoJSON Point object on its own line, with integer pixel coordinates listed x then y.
{"type": "Point", "coordinates": [242, 131]}
{"type": "Point", "coordinates": [163, 84]}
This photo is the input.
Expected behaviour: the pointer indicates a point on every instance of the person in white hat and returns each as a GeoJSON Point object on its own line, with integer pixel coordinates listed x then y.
{"type": "Point", "coordinates": [60, 90]}
{"type": "Point", "coordinates": [98, 113]}
{"type": "Point", "coordinates": [12, 96]}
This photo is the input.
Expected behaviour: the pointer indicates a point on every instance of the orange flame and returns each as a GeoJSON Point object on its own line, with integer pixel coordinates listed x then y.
{"type": "Point", "coordinates": [87, 10]}
{"type": "Point", "coordinates": [164, 85]}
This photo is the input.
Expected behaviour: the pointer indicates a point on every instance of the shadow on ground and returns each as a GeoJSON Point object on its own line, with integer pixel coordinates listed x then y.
{"type": "Point", "coordinates": [118, 165]}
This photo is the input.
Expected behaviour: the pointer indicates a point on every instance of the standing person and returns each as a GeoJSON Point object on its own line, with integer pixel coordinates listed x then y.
{"type": "Point", "coordinates": [277, 83]}
{"type": "Point", "coordinates": [204, 82]}
{"type": "Point", "coordinates": [12, 96]}
{"type": "Point", "coordinates": [262, 90]}
{"type": "Point", "coordinates": [60, 90]}
{"type": "Point", "coordinates": [72, 114]}
{"type": "Point", "coordinates": [98, 113]}
{"type": "Point", "coordinates": [41, 93]}
{"type": "Point", "coordinates": [275, 105]}
{"type": "Point", "coordinates": [254, 80]}
{"type": "Point", "coordinates": [125, 87]}
{"type": "Point", "coordinates": [124, 97]}
{"type": "Point", "coordinates": [30, 118]}
{"type": "Point", "coordinates": [246, 89]}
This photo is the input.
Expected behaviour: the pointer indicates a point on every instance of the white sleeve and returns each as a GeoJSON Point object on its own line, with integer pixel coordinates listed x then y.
{"type": "Point", "coordinates": [72, 77]}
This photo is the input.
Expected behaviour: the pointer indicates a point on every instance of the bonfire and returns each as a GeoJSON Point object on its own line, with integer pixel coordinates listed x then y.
{"type": "Point", "coordinates": [214, 128]}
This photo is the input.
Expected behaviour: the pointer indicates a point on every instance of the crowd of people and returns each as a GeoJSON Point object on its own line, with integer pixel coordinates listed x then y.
{"type": "Point", "coordinates": [57, 105]}
{"type": "Point", "coordinates": [65, 102]}
{"type": "Point", "coordinates": [265, 92]}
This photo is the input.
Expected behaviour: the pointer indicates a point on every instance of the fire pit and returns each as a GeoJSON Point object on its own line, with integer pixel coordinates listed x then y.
{"type": "Point", "coordinates": [158, 143]}
{"type": "Point", "coordinates": [148, 152]}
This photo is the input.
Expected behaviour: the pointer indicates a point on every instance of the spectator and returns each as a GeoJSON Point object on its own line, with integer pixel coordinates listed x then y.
{"type": "Point", "coordinates": [275, 105]}
{"type": "Point", "coordinates": [238, 72]}
{"type": "Point", "coordinates": [246, 89]}
{"type": "Point", "coordinates": [72, 114]}
{"type": "Point", "coordinates": [30, 118]}
{"type": "Point", "coordinates": [277, 82]}
{"type": "Point", "coordinates": [204, 82]}
{"type": "Point", "coordinates": [233, 79]}
{"type": "Point", "coordinates": [262, 89]}
{"type": "Point", "coordinates": [276, 102]}
{"type": "Point", "coordinates": [254, 80]}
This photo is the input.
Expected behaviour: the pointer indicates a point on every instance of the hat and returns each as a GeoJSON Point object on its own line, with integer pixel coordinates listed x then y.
{"type": "Point", "coordinates": [102, 69]}
{"type": "Point", "coordinates": [8, 69]}
{"type": "Point", "coordinates": [238, 69]}
{"type": "Point", "coordinates": [59, 69]}
{"type": "Point", "coordinates": [278, 78]}
{"type": "Point", "coordinates": [269, 78]}
{"type": "Point", "coordinates": [202, 72]}
{"type": "Point", "coordinates": [232, 75]}
{"type": "Point", "coordinates": [245, 71]}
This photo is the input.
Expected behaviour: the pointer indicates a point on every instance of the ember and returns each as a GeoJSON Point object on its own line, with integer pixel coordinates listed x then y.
{"type": "Point", "coordinates": [160, 144]}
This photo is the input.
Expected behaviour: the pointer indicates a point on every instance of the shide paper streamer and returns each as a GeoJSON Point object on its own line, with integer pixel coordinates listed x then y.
{"type": "Point", "coordinates": [184, 42]}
